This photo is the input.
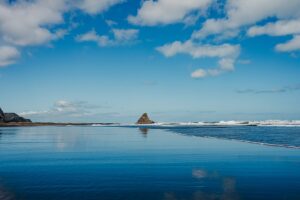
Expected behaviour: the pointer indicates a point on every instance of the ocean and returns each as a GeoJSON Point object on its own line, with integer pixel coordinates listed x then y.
{"type": "Point", "coordinates": [178, 161]}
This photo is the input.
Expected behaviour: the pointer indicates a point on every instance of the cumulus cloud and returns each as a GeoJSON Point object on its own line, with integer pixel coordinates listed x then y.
{"type": "Point", "coordinates": [164, 12]}
{"type": "Point", "coordinates": [125, 34]}
{"type": "Point", "coordinates": [236, 16]}
{"type": "Point", "coordinates": [65, 108]}
{"type": "Point", "coordinates": [227, 64]}
{"type": "Point", "coordinates": [292, 45]}
{"type": "Point", "coordinates": [24, 22]}
{"type": "Point", "coordinates": [197, 50]}
{"type": "Point", "coordinates": [32, 23]}
{"type": "Point", "coordinates": [278, 28]}
{"type": "Point", "coordinates": [97, 6]}
{"type": "Point", "coordinates": [241, 13]}
{"type": "Point", "coordinates": [8, 55]}
{"type": "Point", "coordinates": [92, 36]}
{"type": "Point", "coordinates": [226, 53]}
{"type": "Point", "coordinates": [120, 37]}
{"type": "Point", "coordinates": [29, 22]}
{"type": "Point", "coordinates": [199, 73]}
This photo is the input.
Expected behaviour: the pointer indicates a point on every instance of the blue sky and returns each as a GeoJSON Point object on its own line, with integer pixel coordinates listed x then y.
{"type": "Point", "coordinates": [111, 60]}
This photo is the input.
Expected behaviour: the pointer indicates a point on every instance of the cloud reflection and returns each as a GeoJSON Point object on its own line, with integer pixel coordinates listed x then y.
{"type": "Point", "coordinates": [199, 174]}
{"type": "Point", "coordinates": [228, 188]}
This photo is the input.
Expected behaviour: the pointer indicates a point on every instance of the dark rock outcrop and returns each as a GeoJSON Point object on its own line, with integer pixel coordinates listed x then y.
{"type": "Point", "coordinates": [144, 119]}
{"type": "Point", "coordinates": [1, 115]}
{"type": "Point", "coordinates": [11, 117]}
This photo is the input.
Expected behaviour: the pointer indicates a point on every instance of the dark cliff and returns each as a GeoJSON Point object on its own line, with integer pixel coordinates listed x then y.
{"type": "Point", "coordinates": [11, 117]}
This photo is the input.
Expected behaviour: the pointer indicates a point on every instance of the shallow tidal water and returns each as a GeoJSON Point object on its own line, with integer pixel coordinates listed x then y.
{"type": "Point", "coordinates": [54, 163]}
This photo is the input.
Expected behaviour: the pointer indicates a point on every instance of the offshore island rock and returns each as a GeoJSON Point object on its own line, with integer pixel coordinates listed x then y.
{"type": "Point", "coordinates": [144, 119]}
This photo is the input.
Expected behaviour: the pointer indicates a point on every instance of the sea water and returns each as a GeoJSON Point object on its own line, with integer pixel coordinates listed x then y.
{"type": "Point", "coordinates": [178, 163]}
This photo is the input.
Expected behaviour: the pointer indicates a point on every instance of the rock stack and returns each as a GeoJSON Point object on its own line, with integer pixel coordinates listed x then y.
{"type": "Point", "coordinates": [144, 119]}
{"type": "Point", "coordinates": [11, 117]}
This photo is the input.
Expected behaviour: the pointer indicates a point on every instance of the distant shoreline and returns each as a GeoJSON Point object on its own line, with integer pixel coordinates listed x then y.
{"type": "Point", "coordinates": [28, 124]}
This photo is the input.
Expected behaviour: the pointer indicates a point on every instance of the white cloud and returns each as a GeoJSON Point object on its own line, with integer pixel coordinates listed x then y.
{"type": "Point", "coordinates": [31, 23]}
{"type": "Point", "coordinates": [163, 12]}
{"type": "Point", "coordinates": [202, 73]}
{"type": "Point", "coordinates": [227, 64]}
{"type": "Point", "coordinates": [110, 22]}
{"type": "Point", "coordinates": [241, 13]}
{"type": "Point", "coordinates": [125, 34]}
{"type": "Point", "coordinates": [97, 6]}
{"type": "Point", "coordinates": [120, 37]}
{"type": "Point", "coordinates": [92, 36]}
{"type": "Point", "coordinates": [278, 28]}
{"type": "Point", "coordinates": [65, 108]}
{"type": "Point", "coordinates": [198, 50]}
{"type": "Point", "coordinates": [199, 73]}
{"type": "Point", "coordinates": [8, 55]}
{"type": "Point", "coordinates": [292, 45]}
{"type": "Point", "coordinates": [226, 54]}
{"type": "Point", "coordinates": [24, 22]}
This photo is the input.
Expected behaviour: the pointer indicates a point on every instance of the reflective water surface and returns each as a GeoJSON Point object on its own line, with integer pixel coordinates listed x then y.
{"type": "Point", "coordinates": [131, 163]}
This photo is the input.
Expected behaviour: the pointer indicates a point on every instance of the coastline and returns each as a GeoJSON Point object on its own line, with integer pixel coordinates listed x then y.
{"type": "Point", "coordinates": [28, 124]}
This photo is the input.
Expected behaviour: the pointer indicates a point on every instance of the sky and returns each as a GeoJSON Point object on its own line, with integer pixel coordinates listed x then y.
{"type": "Point", "coordinates": [112, 60]}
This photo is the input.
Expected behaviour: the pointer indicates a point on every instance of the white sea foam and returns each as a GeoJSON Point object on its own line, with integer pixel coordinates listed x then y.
{"type": "Point", "coordinates": [97, 125]}
{"type": "Point", "coordinates": [279, 123]}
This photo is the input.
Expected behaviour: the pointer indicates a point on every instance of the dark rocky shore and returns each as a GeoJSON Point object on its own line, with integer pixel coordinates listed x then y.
{"type": "Point", "coordinates": [12, 117]}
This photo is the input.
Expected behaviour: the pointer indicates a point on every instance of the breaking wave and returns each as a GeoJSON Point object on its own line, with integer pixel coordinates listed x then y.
{"type": "Point", "coordinates": [281, 123]}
